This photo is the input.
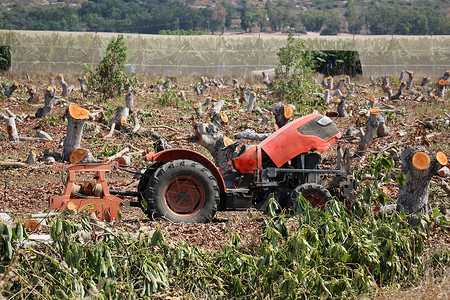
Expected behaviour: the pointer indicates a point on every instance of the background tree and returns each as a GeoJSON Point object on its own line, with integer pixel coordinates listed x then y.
{"type": "Point", "coordinates": [218, 17]}
{"type": "Point", "coordinates": [313, 20]}
{"type": "Point", "coordinates": [355, 19]}
{"type": "Point", "coordinates": [332, 24]}
{"type": "Point", "coordinates": [261, 19]}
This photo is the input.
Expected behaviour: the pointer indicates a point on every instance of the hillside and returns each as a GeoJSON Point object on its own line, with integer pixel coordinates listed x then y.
{"type": "Point", "coordinates": [430, 17]}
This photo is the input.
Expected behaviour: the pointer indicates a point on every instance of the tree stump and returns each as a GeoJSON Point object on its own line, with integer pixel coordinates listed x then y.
{"type": "Point", "coordinates": [11, 89]}
{"type": "Point", "coordinates": [419, 166]}
{"type": "Point", "coordinates": [83, 84]}
{"type": "Point", "coordinates": [388, 90]}
{"type": "Point", "coordinates": [342, 106]}
{"type": "Point", "coordinates": [208, 101]}
{"type": "Point", "coordinates": [329, 83]}
{"type": "Point", "coordinates": [425, 81]}
{"type": "Point", "coordinates": [76, 116]}
{"type": "Point", "coordinates": [33, 95]}
{"type": "Point", "coordinates": [119, 119]}
{"type": "Point", "coordinates": [371, 128]}
{"type": "Point", "coordinates": [251, 98]}
{"type": "Point", "coordinates": [410, 80]}
{"type": "Point", "coordinates": [80, 155]}
{"type": "Point", "coordinates": [66, 88]}
{"type": "Point", "coordinates": [198, 109]}
{"type": "Point", "coordinates": [213, 139]}
{"type": "Point", "coordinates": [129, 100]}
{"type": "Point", "coordinates": [326, 96]}
{"type": "Point", "coordinates": [372, 102]}
{"type": "Point", "coordinates": [49, 102]}
{"type": "Point", "coordinates": [282, 113]}
{"type": "Point", "coordinates": [399, 92]}
{"type": "Point", "coordinates": [217, 108]}
{"type": "Point", "coordinates": [382, 129]}
{"type": "Point", "coordinates": [441, 87]}
{"type": "Point", "coordinates": [266, 80]}
{"type": "Point", "coordinates": [235, 83]}
{"type": "Point", "coordinates": [13, 136]}
{"type": "Point", "coordinates": [402, 76]}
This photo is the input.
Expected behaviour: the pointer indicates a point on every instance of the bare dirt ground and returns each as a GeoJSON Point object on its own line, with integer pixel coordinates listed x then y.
{"type": "Point", "coordinates": [24, 191]}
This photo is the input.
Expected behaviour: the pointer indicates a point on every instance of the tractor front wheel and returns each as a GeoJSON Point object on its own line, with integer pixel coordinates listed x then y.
{"type": "Point", "coordinates": [182, 191]}
{"type": "Point", "coordinates": [315, 193]}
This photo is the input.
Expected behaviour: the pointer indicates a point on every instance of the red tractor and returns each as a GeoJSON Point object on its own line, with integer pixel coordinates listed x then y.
{"type": "Point", "coordinates": [185, 186]}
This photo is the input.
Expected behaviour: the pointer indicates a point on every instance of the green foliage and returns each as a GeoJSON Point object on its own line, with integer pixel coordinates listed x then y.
{"type": "Point", "coordinates": [380, 170]}
{"type": "Point", "coordinates": [323, 254]}
{"type": "Point", "coordinates": [108, 79]}
{"type": "Point", "coordinates": [169, 97]}
{"type": "Point", "coordinates": [108, 150]}
{"type": "Point", "coordinates": [5, 58]}
{"type": "Point", "coordinates": [293, 74]}
{"type": "Point", "coordinates": [342, 62]}
{"type": "Point", "coordinates": [180, 32]}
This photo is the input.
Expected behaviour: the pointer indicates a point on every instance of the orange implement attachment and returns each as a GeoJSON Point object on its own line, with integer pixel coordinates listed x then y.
{"type": "Point", "coordinates": [105, 206]}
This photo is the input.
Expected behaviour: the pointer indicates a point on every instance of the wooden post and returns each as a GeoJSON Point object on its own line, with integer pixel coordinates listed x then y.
{"type": "Point", "coordinates": [77, 116]}
{"type": "Point", "coordinates": [66, 88]}
{"type": "Point", "coordinates": [419, 166]}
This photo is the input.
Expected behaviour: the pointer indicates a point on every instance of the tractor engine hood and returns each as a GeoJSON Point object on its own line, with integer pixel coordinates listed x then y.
{"type": "Point", "coordinates": [310, 132]}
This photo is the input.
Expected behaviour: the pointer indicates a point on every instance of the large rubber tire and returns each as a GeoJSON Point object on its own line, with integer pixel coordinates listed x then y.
{"type": "Point", "coordinates": [182, 191]}
{"type": "Point", "coordinates": [143, 183]}
{"type": "Point", "coordinates": [313, 192]}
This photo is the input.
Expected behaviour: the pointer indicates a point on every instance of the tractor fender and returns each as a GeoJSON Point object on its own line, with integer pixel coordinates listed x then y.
{"type": "Point", "coordinates": [173, 154]}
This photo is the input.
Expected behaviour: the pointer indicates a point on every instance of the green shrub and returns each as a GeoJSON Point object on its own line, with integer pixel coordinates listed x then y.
{"type": "Point", "coordinates": [108, 79]}
{"type": "Point", "coordinates": [293, 76]}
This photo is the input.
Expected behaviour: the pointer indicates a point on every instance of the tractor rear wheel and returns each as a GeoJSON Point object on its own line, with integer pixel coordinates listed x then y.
{"type": "Point", "coordinates": [182, 191]}
{"type": "Point", "coordinates": [315, 193]}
